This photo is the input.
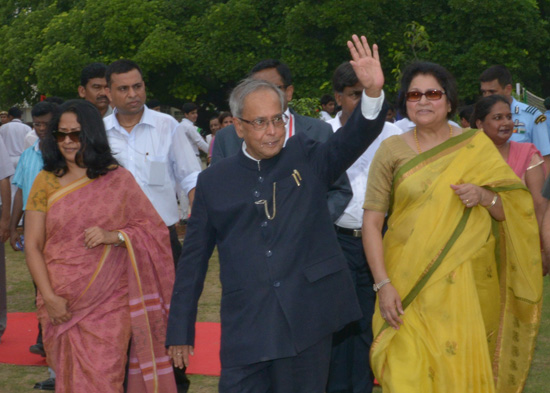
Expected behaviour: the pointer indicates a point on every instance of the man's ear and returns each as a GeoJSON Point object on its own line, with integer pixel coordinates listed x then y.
{"type": "Point", "coordinates": [81, 91]}
{"type": "Point", "coordinates": [289, 92]}
{"type": "Point", "coordinates": [478, 124]}
{"type": "Point", "coordinates": [238, 127]}
{"type": "Point", "coordinates": [108, 94]}
{"type": "Point", "coordinates": [338, 98]}
{"type": "Point", "coordinates": [508, 89]}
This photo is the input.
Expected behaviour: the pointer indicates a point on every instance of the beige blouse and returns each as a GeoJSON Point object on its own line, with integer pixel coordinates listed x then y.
{"type": "Point", "coordinates": [392, 154]}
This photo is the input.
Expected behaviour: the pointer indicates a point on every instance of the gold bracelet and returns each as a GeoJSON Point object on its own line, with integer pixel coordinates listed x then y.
{"type": "Point", "coordinates": [493, 202]}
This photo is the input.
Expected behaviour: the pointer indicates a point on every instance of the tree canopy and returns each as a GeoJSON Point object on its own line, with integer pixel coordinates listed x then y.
{"type": "Point", "coordinates": [199, 49]}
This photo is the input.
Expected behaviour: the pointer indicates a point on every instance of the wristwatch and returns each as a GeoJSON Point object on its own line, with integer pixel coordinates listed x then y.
{"type": "Point", "coordinates": [376, 287]}
{"type": "Point", "coordinates": [120, 239]}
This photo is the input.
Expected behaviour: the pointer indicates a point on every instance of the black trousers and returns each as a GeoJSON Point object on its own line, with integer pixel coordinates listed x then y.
{"type": "Point", "coordinates": [303, 373]}
{"type": "Point", "coordinates": [182, 382]}
{"type": "Point", "coordinates": [350, 370]}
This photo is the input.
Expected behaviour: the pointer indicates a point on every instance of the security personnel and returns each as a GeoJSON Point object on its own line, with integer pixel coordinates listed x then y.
{"type": "Point", "coordinates": [529, 122]}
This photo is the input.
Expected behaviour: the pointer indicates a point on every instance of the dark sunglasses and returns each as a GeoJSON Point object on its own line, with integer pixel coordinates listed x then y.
{"type": "Point", "coordinates": [431, 95]}
{"type": "Point", "coordinates": [73, 136]}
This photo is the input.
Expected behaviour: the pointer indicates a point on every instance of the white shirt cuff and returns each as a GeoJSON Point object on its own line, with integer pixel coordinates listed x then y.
{"type": "Point", "coordinates": [371, 107]}
{"type": "Point", "coordinates": [189, 182]}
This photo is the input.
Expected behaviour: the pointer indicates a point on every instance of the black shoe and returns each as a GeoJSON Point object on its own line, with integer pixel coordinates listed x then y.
{"type": "Point", "coordinates": [37, 349]}
{"type": "Point", "coordinates": [48, 384]}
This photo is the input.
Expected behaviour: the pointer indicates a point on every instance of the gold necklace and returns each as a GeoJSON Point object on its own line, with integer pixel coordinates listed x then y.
{"type": "Point", "coordinates": [418, 144]}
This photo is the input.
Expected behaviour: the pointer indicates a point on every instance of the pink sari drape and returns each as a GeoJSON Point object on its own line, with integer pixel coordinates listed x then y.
{"type": "Point", "coordinates": [519, 157]}
{"type": "Point", "coordinates": [211, 147]}
{"type": "Point", "coordinates": [114, 293]}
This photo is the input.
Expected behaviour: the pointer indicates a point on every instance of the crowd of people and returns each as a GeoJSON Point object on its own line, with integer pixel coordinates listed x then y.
{"type": "Point", "coordinates": [378, 241]}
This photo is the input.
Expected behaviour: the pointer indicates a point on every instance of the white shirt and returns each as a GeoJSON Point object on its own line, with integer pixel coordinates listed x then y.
{"type": "Point", "coordinates": [6, 166]}
{"type": "Point", "coordinates": [108, 112]}
{"type": "Point", "coordinates": [290, 127]}
{"type": "Point", "coordinates": [406, 124]}
{"type": "Point", "coordinates": [30, 138]}
{"type": "Point", "coordinates": [13, 134]}
{"type": "Point", "coordinates": [195, 139]}
{"type": "Point", "coordinates": [325, 116]}
{"type": "Point", "coordinates": [160, 158]}
{"type": "Point", "coordinates": [358, 173]}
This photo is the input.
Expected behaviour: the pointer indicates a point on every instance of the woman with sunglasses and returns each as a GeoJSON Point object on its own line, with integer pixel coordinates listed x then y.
{"type": "Point", "coordinates": [96, 249]}
{"type": "Point", "coordinates": [458, 285]}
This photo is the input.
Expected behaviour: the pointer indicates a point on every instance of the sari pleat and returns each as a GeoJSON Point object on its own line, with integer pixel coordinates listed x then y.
{"type": "Point", "coordinates": [471, 286]}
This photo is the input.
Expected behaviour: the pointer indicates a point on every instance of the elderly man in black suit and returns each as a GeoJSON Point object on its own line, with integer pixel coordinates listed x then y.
{"type": "Point", "coordinates": [286, 285]}
{"type": "Point", "coordinates": [228, 143]}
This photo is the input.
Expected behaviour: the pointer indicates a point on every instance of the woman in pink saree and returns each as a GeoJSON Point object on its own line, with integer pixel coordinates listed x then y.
{"type": "Point", "coordinates": [98, 253]}
{"type": "Point", "coordinates": [493, 115]}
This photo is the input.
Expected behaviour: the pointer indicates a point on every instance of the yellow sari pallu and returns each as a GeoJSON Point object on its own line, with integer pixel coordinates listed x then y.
{"type": "Point", "coordinates": [471, 286]}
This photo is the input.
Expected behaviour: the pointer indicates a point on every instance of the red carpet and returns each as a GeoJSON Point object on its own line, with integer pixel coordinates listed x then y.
{"type": "Point", "coordinates": [207, 350]}
{"type": "Point", "coordinates": [23, 328]}
{"type": "Point", "coordinates": [18, 337]}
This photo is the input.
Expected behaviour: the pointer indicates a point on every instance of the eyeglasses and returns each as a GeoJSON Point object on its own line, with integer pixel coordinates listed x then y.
{"type": "Point", "coordinates": [74, 136]}
{"type": "Point", "coordinates": [262, 124]}
{"type": "Point", "coordinates": [431, 95]}
{"type": "Point", "coordinates": [40, 124]}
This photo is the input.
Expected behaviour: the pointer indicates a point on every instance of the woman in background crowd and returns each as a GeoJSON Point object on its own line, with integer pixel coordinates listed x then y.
{"type": "Point", "coordinates": [214, 127]}
{"type": "Point", "coordinates": [493, 115]}
{"type": "Point", "coordinates": [225, 119]}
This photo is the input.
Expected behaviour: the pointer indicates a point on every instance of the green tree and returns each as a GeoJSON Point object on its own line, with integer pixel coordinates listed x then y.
{"type": "Point", "coordinates": [198, 50]}
{"type": "Point", "coordinates": [21, 43]}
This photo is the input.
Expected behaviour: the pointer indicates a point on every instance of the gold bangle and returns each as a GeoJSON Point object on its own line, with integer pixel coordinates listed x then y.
{"type": "Point", "coordinates": [493, 202]}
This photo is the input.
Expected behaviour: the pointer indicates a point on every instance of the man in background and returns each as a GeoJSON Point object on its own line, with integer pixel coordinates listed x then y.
{"type": "Point", "coordinates": [6, 170]}
{"type": "Point", "coordinates": [349, 364]}
{"type": "Point", "coordinates": [146, 143]}
{"type": "Point", "coordinates": [3, 117]}
{"type": "Point", "coordinates": [13, 134]}
{"type": "Point", "coordinates": [92, 87]}
{"type": "Point", "coordinates": [190, 112]}
{"type": "Point", "coordinates": [328, 106]}
{"type": "Point", "coordinates": [30, 164]}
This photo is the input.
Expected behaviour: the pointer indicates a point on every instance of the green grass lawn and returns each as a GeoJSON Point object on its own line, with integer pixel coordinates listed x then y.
{"type": "Point", "coordinates": [20, 379]}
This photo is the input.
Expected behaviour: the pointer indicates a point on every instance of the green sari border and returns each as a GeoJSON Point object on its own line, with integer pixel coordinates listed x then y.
{"type": "Point", "coordinates": [495, 229]}
{"type": "Point", "coordinates": [421, 283]}
{"type": "Point", "coordinates": [451, 142]}
{"type": "Point", "coordinates": [423, 159]}
{"type": "Point", "coordinates": [510, 187]}
{"type": "Point", "coordinates": [430, 270]}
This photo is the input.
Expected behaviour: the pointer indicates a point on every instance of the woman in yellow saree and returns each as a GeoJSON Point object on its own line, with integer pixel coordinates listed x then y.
{"type": "Point", "coordinates": [458, 272]}
{"type": "Point", "coordinates": [97, 251]}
